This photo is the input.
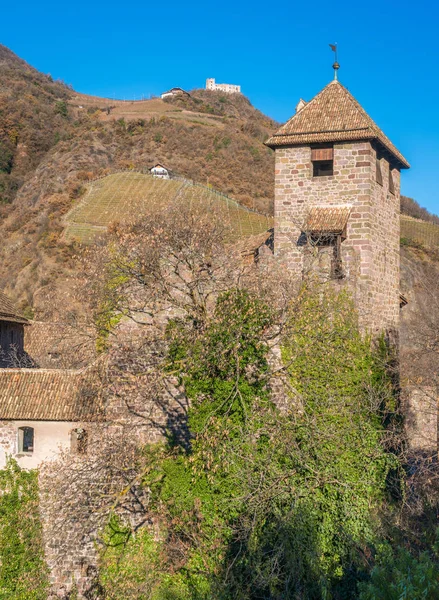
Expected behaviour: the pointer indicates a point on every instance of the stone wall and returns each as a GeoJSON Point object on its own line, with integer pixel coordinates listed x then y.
{"type": "Point", "coordinates": [420, 405]}
{"type": "Point", "coordinates": [71, 547]}
{"type": "Point", "coordinates": [370, 252]}
{"type": "Point", "coordinates": [50, 439]}
{"type": "Point", "coordinates": [8, 441]}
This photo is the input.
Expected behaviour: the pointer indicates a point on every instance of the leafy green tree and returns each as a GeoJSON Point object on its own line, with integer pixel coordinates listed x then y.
{"type": "Point", "coordinates": [270, 504]}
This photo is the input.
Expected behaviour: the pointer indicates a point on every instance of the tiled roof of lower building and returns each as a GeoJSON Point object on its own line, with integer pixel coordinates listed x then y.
{"type": "Point", "coordinates": [327, 219]}
{"type": "Point", "coordinates": [59, 345]}
{"type": "Point", "coordinates": [47, 395]}
{"type": "Point", "coordinates": [8, 312]}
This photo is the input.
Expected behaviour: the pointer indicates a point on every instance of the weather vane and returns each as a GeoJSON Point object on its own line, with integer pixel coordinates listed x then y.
{"type": "Point", "coordinates": [335, 66]}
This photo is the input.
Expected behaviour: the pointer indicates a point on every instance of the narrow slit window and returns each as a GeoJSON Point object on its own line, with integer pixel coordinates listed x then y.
{"type": "Point", "coordinates": [391, 182]}
{"type": "Point", "coordinates": [336, 264]}
{"type": "Point", "coordinates": [322, 161]}
{"type": "Point", "coordinates": [379, 173]}
{"type": "Point", "coordinates": [25, 440]}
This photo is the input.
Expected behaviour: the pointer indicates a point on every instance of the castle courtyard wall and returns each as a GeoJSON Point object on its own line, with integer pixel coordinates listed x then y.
{"type": "Point", "coordinates": [51, 438]}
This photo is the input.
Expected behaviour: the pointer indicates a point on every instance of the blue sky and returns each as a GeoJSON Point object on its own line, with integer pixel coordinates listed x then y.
{"type": "Point", "coordinates": [388, 51]}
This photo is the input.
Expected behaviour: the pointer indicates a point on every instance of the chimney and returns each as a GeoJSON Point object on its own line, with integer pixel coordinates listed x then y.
{"type": "Point", "coordinates": [300, 105]}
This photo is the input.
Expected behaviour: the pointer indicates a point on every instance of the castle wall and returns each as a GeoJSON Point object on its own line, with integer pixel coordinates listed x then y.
{"type": "Point", "coordinates": [385, 272]}
{"type": "Point", "coordinates": [71, 549]}
{"type": "Point", "coordinates": [421, 418]}
{"type": "Point", "coordinates": [51, 438]}
{"type": "Point", "coordinates": [229, 88]}
{"type": "Point", "coordinates": [370, 252]}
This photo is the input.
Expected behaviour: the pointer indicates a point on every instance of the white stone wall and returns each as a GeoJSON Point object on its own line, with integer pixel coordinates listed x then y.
{"type": "Point", "coordinates": [229, 88]}
{"type": "Point", "coordinates": [50, 439]}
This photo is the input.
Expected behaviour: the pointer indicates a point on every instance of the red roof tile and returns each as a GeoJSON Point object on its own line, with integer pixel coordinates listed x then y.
{"type": "Point", "coordinates": [331, 116]}
{"type": "Point", "coordinates": [46, 395]}
{"type": "Point", "coordinates": [331, 219]}
{"type": "Point", "coordinates": [8, 312]}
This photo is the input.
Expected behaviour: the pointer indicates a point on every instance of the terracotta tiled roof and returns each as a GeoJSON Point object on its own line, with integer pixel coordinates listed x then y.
{"type": "Point", "coordinates": [46, 395]}
{"type": "Point", "coordinates": [331, 219]}
{"type": "Point", "coordinates": [249, 245]}
{"type": "Point", "coordinates": [59, 345]}
{"type": "Point", "coordinates": [8, 312]}
{"type": "Point", "coordinates": [331, 116]}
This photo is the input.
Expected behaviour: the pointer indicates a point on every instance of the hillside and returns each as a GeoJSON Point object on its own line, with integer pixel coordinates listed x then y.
{"type": "Point", "coordinates": [412, 208]}
{"type": "Point", "coordinates": [116, 197]}
{"type": "Point", "coordinates": [425, 233]}
{"type": "Point", "coordinates": [33, 115]}
{"type": "Point", "coordinates": [55, 142]}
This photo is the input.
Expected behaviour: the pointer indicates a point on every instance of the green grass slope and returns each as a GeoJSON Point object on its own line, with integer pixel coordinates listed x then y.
{"type": "Point", "coordinates": [422, 232]}
{"type": "Point", "coordinates": [123, 197]}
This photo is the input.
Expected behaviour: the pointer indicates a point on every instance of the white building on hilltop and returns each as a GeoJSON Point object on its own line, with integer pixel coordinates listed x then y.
{"type": "Point", "coordinates": [223, 87]}
{"type": "Point", "coordinates": [175, 91]}
{"type": "Point", "coordinates": [160, 171]}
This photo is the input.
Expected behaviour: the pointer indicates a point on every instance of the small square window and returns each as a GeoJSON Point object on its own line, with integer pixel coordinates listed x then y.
{"type": "Point", "coordinates": [323, 168]}
{"type": "Point", "coordinates": [322, 161]}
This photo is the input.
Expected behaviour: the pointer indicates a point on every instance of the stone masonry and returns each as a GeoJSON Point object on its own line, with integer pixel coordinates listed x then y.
{"type": "Point", "coordinates": [337, 203]}
{"type": "Point", "coordinates": [370, 252]}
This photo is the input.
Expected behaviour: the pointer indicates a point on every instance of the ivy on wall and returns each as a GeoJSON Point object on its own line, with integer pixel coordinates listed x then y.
{"type": "Point", "coordinates": [23, 571]}
{"type": "Point", "coordinates": [266, 504]}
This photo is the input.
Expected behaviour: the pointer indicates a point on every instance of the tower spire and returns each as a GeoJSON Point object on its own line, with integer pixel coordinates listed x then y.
{"type": "Point", "coordinates": [335, 66]}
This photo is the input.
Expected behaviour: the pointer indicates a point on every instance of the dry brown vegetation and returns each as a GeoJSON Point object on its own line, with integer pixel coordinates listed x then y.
{"type": "Point", "coordinates": [410, 207]}
{"type": "Point", "coordinates": [51, 148]}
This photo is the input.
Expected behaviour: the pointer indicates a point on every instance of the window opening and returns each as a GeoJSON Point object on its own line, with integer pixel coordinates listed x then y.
{"type": "Point", "coordinates": [325, 242]}
{"type": "Point", "coordinates": [25, 440]}
{"type": "Point", "coordinates": [379, 173]}
{"type": "Point", "coordinates": [391, 182]}
{"type": "Point", "coordinates": [322, 161]}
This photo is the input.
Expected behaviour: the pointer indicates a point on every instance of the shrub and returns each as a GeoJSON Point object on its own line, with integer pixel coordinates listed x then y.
{"type": "Point", "coordinates": [61, 108]}
{"type": "Point", "coordinates": [398, 575]}
{"type": "Point", "coordinates": [268, 504]}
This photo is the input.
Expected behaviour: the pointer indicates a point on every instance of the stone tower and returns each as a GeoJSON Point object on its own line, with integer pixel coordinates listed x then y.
{"type": "Point", "coordinates": [337, 202]}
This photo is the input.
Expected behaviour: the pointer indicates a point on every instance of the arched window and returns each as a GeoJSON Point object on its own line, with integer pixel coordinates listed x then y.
{"type": "Point", "coordinates": [78, 440]}
{"type": "Point", "coordinates": [25, 440]}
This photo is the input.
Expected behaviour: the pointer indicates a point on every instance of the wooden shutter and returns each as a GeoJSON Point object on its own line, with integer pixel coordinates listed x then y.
{"type": "Point", "coordinates": [322, 154]}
